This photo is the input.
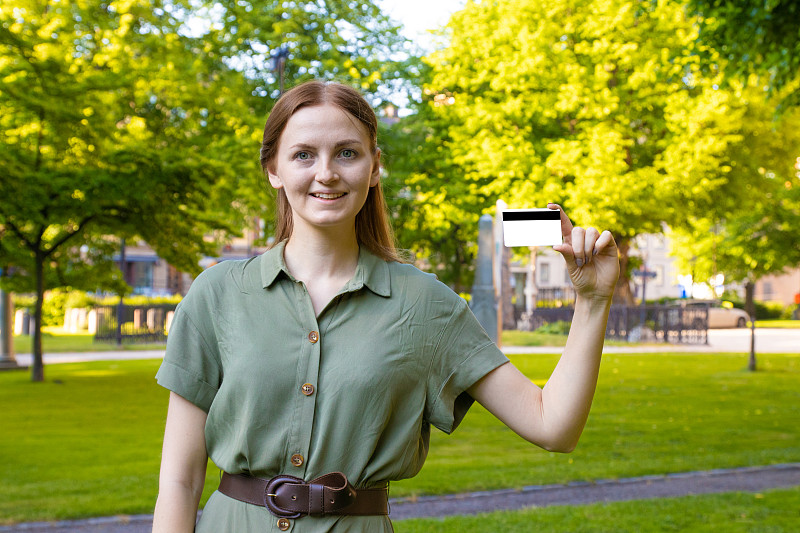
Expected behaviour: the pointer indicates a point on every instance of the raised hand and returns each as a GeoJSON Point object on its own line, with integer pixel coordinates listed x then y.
{"type": "Point", "coordinates": [591, 256]}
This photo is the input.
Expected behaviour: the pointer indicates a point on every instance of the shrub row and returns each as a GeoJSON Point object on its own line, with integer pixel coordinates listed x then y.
{"type": "Point", "coordinates": [57, 301]}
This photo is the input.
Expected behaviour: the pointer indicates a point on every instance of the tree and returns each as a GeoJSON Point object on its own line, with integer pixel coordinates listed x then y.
{"type": "Point", "coordinates": [754, 37]}
{"type": "Point", "coordinates": [754, 230]}
{"type": "Point", "coordinates": [111, 121]}
{"type": "Point", "coordinates": [435, 213]}
{"type": "Point", "coordinates": [342, 40]}
{"type": "Point", "coordinates": [141, 120]}
{"type": "Point", "coordinates": [601, 106]}
{"type": "Point", "coordinates": [754, 233]}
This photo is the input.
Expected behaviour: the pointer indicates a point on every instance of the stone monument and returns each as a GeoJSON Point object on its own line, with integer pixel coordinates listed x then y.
{"type": "Point", "coordinates": [484, 305]}
{"type": "Point", "coordinates": [7, 359]}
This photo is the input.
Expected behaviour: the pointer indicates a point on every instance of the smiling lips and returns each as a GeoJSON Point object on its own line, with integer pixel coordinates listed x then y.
{"type": "Point", "coordinates": [327, 196]}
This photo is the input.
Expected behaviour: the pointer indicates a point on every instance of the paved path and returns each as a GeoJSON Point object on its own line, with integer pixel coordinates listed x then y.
{"type": "Point", "coordinates": [751, 479]}
{"type": "Point", "coordinates": [768, 340]}
{"type": "Point", "coordinates": [719, 340]}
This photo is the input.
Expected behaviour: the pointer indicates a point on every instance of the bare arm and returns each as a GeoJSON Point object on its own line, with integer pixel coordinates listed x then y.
{"type": "Point", "coordinates": [554, 417]}
{"type": "Point", "coordinates": [183, 468]}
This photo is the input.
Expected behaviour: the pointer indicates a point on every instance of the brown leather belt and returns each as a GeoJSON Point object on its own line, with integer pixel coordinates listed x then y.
{"type": "Point", "coordinates": [291, 497]}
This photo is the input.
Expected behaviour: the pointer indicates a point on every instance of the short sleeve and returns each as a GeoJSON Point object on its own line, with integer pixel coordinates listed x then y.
{"type": "Point", "coordinates": [463, 355]}
{"type": "Point", "coordinates": [191, 366]}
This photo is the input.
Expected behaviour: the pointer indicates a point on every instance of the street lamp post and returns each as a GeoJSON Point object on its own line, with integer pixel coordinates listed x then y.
{"type": "Point", "coordinates": [123, 266]}
{"type": "Point", "coordinates": [279, 58]}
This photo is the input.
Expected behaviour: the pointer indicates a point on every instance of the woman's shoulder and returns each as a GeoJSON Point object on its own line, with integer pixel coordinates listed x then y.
{"type": "Point", "coordinates": [413, 282]}
{"type": "Point", "coordinates": [219, 279]}
{"type": "Point", "coordinates": [409, 273]}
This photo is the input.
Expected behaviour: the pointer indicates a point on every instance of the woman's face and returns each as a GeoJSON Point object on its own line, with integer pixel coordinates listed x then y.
{"type": "Point", "coordinates": [326, 165]}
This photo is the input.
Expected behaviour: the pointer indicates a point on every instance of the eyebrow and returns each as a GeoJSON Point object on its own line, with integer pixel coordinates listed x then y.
{"type": "Point", "coordinates": [346, 142]}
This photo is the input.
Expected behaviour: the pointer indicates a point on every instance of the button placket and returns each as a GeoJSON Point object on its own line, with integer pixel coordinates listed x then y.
{"type": "Point", "coordinates": [307, 376]}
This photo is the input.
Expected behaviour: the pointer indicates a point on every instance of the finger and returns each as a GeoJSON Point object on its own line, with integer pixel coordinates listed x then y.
{"type": "Point", "coordinates": [591, 236]}
{"type": "Point", "coordinates": [578, 242]}
{"type": "Point", "coordinates": [604, 241]}
{"type": "Point", "coordinates": [566, 223]}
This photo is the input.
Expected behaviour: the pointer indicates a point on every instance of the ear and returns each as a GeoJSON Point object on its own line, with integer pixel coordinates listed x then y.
{"type": "Point", "coordinates": [274, 179]}
{"type": "Point", "coordinates": [376, 168]}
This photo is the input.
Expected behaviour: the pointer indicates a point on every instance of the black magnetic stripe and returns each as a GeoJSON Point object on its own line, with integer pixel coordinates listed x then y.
{"type": "Point", "coordinates": [550, 214]}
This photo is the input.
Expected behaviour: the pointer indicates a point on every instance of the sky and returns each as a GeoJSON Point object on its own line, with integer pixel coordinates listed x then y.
{"type": "Point", "coordinates": [419, 16]}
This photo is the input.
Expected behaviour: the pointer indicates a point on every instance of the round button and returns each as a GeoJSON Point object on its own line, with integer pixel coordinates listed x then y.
{"type": "Point", "coordinates": [297, 460]}
{"type": "Point", "coordinates": [313, 337]}
{"type": "Point", "coordinates": [308, 389]}
{"type": "Point", "coordinates": [284, 524]}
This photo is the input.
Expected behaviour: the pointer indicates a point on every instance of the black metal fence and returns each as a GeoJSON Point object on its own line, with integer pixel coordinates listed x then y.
{"type": "Point", "coordinates": [140, 324]}
{"type": "Point", "coordinates": [555, 296]}
{"type": "Point", "coordinates": [649, 323]}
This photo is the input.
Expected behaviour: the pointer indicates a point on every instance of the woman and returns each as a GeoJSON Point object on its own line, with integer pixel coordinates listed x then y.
{"type": "Point", "coordinates": [311, 374]}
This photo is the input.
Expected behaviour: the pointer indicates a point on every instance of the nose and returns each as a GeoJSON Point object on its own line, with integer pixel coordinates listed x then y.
{"type": "Point", "coordinates": [326, 173]}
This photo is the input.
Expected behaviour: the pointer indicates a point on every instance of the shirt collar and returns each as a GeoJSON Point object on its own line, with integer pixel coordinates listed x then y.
{"type": "Point", "coordinates": [371, 271]}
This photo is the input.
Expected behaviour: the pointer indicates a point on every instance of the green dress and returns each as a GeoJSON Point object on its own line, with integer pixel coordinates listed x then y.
{"type": "Point", "coordinates": [354, 389]}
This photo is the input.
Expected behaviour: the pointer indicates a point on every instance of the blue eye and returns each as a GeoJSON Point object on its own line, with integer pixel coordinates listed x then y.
{"type": "Point", "coordinates": [348, 153]}
{"type": "Point", "coordinates": [302, 156]}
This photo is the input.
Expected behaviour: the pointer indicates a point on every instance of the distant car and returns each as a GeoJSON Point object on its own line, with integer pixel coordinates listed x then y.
{"type": "Point", "coordinates": [720, 314]}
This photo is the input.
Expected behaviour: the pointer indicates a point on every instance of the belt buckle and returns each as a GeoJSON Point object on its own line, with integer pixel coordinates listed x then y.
{"type": "Point", "coordinates": [271, 492]}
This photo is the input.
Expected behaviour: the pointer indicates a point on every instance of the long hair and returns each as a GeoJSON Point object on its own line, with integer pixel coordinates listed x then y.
{"type": "Point", "coordinates": [372, 221]}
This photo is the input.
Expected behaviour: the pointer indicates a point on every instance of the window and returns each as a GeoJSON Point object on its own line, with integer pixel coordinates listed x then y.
{"type": "Point", "coordinates": [659, 279]}
{"type": "Point", "coordinates": [544, 273]}
{"type": "Point", "coordinates": [141, 277]}
{"type": "Point", "coordinates": [767, 291]}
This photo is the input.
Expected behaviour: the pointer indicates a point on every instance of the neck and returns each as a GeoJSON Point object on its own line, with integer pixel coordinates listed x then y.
{"type": "Point", "coordinates": [316, 255]}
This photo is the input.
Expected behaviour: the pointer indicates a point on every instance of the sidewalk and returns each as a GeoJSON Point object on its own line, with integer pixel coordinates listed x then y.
{"type": "Point", "coordinates": [749, 479]}
{"type": "Point", "coordinates": [719, 341]}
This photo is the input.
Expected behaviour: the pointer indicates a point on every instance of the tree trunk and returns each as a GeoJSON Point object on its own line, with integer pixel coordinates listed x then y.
{"type": "Point", "coordinates": [750, 307]}
{"type": "Point", "coordinates": [37, 368]}
{"type": "Point", "coordinates": [622, 293]}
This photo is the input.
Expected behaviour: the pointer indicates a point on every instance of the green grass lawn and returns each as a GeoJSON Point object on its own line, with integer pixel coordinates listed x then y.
{"type": "Point", "coordinates": [87, 441]}
{"type": "Point", "coordinates": [55, 340]}
{"type": "Point", "coordinates": [533, 338]}
{"type": "Point", "coordinates": [767, 512]}
{"type": "Point", "coordinates": [782, 324]}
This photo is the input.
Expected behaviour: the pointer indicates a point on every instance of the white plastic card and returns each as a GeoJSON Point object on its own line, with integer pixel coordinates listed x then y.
{"type": "Point", "coordinates": [532, 227]}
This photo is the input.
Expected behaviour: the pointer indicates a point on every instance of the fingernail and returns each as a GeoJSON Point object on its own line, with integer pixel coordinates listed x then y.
{"type": "Point", "coordinates": [579, 262]}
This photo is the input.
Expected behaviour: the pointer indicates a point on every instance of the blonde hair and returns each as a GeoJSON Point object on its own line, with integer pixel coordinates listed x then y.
{"type": "Point", "coordinates": [372, 222]}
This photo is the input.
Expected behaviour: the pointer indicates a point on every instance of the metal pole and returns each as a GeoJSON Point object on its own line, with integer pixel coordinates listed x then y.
{"type": "Point", "coordinates": [281, 63]}
{"type": "Point", "coordinates": [751, 363]}
{"type": "Point", "coordinates": [751, 310]}
{"type": "Point", "coordinates": [121, 306]}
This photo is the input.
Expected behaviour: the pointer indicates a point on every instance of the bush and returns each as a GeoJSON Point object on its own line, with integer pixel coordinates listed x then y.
{"type": "Point", "coordinates": [137, 300]}
{"type": "Point", "coordinates": [764, 310]}
{"type": "Point", "coordinates": [560, 327]}
{"type": "Point", "coordinates": [57, 301]}
{"type": "Point", "coordinates": [24, 301]}
{"type": "Point", "coordinates": [790, 312]}
{"type": "Point", "coordinates": [53, 307]}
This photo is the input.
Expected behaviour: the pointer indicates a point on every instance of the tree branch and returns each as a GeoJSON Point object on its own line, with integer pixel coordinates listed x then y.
{"type": "Point", "coordinates": [18, 233]}
{"type": "Point", "coordinates": [68, 236]}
